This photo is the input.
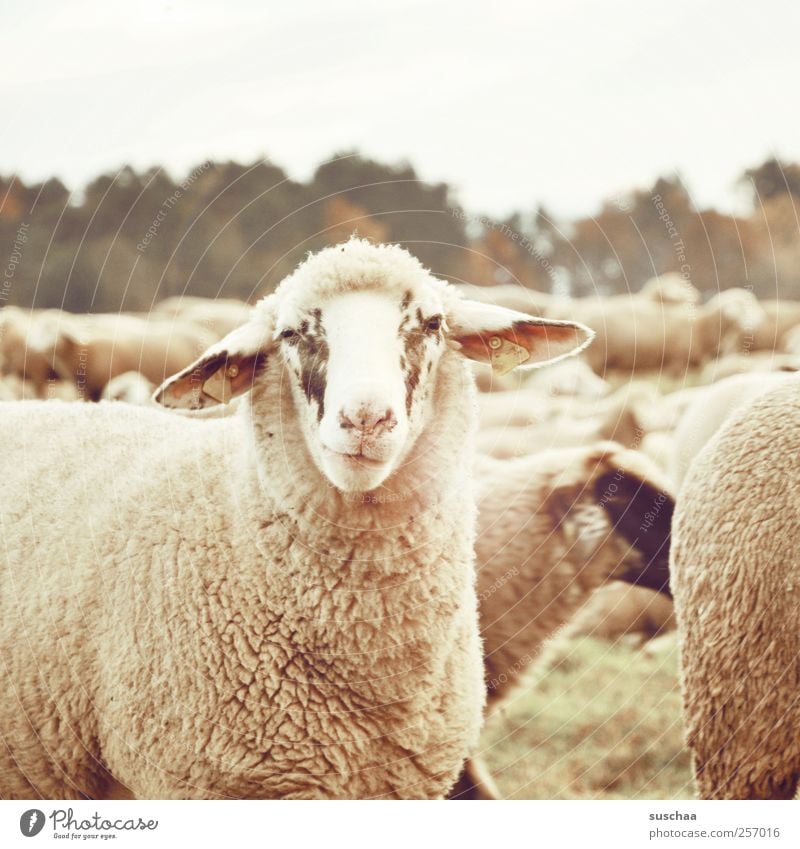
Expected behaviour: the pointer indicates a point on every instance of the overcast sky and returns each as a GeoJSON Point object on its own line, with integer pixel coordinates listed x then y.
{"type": "Point", "coordinates": [514, 103]}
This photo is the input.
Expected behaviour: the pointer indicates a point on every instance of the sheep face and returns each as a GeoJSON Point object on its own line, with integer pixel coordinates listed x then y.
{"type": "Point", "coordinates": [362, 367]}
{"type": "Point", "coordinates": [361, 330]}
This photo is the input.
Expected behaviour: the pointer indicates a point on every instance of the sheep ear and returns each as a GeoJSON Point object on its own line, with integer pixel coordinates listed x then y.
{"type": "Point", "coordinates": [507, 339]}
{"type": "Point", "coordinates": [225, 370]}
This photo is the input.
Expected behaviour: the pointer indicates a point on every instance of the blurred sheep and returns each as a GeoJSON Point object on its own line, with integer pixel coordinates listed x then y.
{"type": "Point", "coordinates": [521, 423]}
{"type": "Point", "coordinates": [637, 333]}
{"type": "Point", "coordinates": [132, 387]}
{"type": "Point", "coordinates": [780, 316]}
{"type": "Point", "coordinates": [551, 529]}
{"type": "Point", "coordinates": [509, 295]}
{"type": "Point", "coordinates": [759, 361]}
{"type": "Point", "coordinates": [90, 350]}
{"type": "Point", "coordinates": [671, 288]}
{"type": "Point", "coordinates": [17, 356]}
{"type": "Point", "coordinates": [662, 328]}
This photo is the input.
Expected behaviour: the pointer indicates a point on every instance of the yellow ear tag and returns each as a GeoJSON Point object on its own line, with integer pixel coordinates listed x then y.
{"type": "Point", "coordinates": [506, 355]}
{"type": "Point", "coordinates": [219, 386]}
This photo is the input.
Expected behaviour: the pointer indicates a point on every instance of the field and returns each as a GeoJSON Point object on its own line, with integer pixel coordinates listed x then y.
{"type": "Point", "coordinates": [602, 722]}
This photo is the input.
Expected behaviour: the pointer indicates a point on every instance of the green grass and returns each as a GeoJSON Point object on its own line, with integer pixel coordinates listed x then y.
{"type": "Point", "coordinates": [603, 722]}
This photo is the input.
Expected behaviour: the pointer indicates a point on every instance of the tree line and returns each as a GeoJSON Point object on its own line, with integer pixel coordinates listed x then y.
{"type": "Point", "coordinates": [227, 229]}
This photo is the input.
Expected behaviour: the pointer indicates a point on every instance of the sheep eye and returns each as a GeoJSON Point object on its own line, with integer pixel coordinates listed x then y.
{"type": "Point", "coordinates": [288, 333]}
{"type": "Point", "coordinates": [433, 324]}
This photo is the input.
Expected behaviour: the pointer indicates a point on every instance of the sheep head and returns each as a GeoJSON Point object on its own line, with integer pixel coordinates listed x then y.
{"type": "Point", "coordinates": [361, 330]}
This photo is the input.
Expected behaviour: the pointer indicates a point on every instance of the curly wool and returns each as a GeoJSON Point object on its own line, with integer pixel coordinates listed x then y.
{"type": "Point", "coordinates": [190, 610]}
{"type": "Point", "coordinates": [553, 527]}
{"type": "Point", "coordinates": [735, 579]}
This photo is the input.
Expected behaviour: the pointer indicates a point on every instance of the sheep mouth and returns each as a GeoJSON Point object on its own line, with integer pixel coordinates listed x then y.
{"type": "Point", "coordinates": [356, 458]}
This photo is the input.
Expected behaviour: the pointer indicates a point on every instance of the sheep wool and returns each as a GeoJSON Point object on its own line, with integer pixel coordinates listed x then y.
{"type": "Point", "coordinates": [192, 608]}
{"type": "Point", "coordinates": [736, 577]}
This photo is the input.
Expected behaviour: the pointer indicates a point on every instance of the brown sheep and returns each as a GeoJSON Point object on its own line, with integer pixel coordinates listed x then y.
{"type": "Point", "coordinates": [617, 610]}
{"type": "Point", "coordinates": [217, 316]}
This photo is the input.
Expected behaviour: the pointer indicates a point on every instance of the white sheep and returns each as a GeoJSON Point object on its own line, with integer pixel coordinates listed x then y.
{"type": "Point", "coordinates": [276, 603]}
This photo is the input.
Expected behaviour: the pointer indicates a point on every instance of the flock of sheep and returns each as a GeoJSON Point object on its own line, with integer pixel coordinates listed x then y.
{"type": "Point", "coordinates": [294, 554]}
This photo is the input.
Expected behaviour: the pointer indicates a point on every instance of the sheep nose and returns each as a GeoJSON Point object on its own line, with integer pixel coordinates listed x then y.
{"type": "Point", "coordinates": [367, 419]}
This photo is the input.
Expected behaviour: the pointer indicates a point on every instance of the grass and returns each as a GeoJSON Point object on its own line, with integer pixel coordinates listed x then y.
{"type": "Point", "coordinates": [603, 722]}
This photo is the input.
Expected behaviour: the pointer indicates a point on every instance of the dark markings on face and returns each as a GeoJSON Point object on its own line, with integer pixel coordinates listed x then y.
{"type": "Point", "coordinates": [313, 354]}
{"type": "Point", "coordinates": [415, 336]}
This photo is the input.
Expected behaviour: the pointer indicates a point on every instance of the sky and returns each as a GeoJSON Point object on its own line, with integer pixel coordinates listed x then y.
{"type": "Point", "coordinates": [514, 103]}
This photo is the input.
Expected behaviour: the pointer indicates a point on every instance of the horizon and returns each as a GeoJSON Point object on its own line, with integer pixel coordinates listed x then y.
{"type": "Point", "coordinates": [543, 106]}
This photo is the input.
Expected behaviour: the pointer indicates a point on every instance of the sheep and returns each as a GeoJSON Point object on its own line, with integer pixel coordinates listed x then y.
{"type": "Point", "coordinates": [16, 388]}
{"type": "Point", "coordinates": [528, 406]}
{"type": "Point", "coordinates": [661, 328]}
{"type": "Point", "coordinates": [758, 361]}
{"type": "Point", "coordinates": [488, 380]}
{"type": "Point", "coordinates": [275, 603]}
{"type": "Point", "coordinates": [729, 321]}
{"type": "Point", "coordinates": [780, 317]}
{"type": "Point", "coordinates": [90, 350]}
{"type": "Point", "coordinates": [790, 344]}
{"type": "Point", "coordinates": [569, 378]}
{"type": "Point", "coordinates": [659, 446]}
{"type": "Point", "coordinates": [671, 288]}
{"type": "Point", "coordinates": [735, 579]}
{"type": "Point", "coordinates": [617, 611]}
{"type": "Point", "coordinates": [552, 528]}
{"type": "Point", "coordinates": [638, 333]}
{"type": "Point", "coordinates": [509, 295]}
{"type": "Point", "coordinates": [17, 357]}
{"type": "Point", "coordinates": [711, 408]}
